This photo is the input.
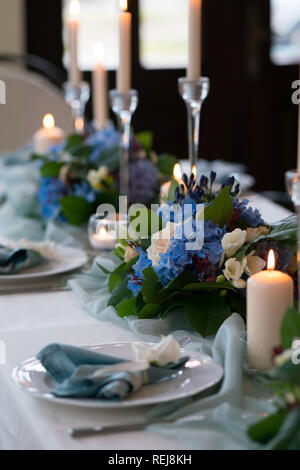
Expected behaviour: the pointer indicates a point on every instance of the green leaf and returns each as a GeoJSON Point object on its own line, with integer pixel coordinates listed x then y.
{"type": "Point", "coordinates": [51, 169]}
{"type": "Point", "coordinates": [110, 157]}
{"type": "Point", "coordinates": [166, 164]}
{"type": "Point", "coordinates": [73, 142]}
{"type": "Point", "coordinates": [171, 193]}
{"type": "Point", "coordinates": [220, 210]}
{"type": "Point", "coordinates": [103, 269]}
{"type": "Point", "coordinates": [145, 138]}
{"type": "Point", "coordinates": [35, 157]}
{"type": "Point", "coordinates": [208, 286]}
{"type": "Point", "coordinates": [237, 303]}
{"type": "Point", "coordinates": [207, 313]}
{"type": "Point", "coordinates": [127, 308]}
{"type": "Point", "coordinates": [288, 436]}
{"type": "Point", "coordinates": [150, 311]}
{"type": "Point", "coordinates": [175, 286]}
{"type": "Point", "coordinates": [151, 285]}
{"type": "Point", "coordinates": [114, 281]}
{"type": "Point", "coordinates": [76, 209]}
{"type": "Point", "coordinates": [82, 152]}
{"type": "Point", "coordinates": [264, 430]}
{"type": "Point", "coordinates": [290, 328]}
{"type": "Point", "coordinates": [120, 293]}
{"type": "Point", "coordinates": [145, 222]}
{"type": "Point", "coordinates": [287, 372]}
{"type": "Point", "coordinates": [284, 231]}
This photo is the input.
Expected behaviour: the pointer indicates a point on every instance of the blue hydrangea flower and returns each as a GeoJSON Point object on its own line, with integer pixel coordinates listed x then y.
{"type": "Point", "coordinates": [143, 181]}
{"type": "Point", "coordinates": [84, 190]}
{"type": "Point", "coordinates": [251, 216]}
{"type": "Point", "coordinates": [51, 190]}
{"type": "Point", "coordinates": [136, 280]}
{"type": "Point", "coordinates": [174, 212]}
{"type": "Point", "coordinates": [102, 140]}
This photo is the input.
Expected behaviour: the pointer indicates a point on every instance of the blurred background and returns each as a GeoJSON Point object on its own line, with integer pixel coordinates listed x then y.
{"type": "Point", "coordinates": [251, 52]}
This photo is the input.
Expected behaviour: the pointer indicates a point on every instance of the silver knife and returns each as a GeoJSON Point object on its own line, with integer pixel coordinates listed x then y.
{"type": "Point", "coordinates": [77, 433]}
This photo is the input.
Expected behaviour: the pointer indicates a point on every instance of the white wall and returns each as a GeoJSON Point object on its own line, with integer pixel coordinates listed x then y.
{"type": "Point", "coordinates": [12, 26]}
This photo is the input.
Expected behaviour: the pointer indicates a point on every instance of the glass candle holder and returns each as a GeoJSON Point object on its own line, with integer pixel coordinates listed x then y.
{"type": "Point", "coordinates": [77, 96]}
{"type": "Point", "coordinates": [194, 93]}
{"type": "Point", "coordinates": [105, 231]}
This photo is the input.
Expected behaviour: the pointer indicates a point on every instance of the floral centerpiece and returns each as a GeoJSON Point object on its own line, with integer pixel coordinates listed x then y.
{"type": "Point", "coordinates": [83, 172]}
{"type": "Point", "coordinates": [166, 270]}
{"type": "Point", "coordinates": [281, 430]}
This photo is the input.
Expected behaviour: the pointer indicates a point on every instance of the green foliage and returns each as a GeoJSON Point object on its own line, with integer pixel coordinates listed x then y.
{"type": "Point", "coordinates": [264, 430]}
{"type": "Point", "coordinates": [206, 313]}
{"type": "Point", "coordinates": [145, 138]}
{"type": "Point", "coordinates": [51, 169]}
{"type": "Point", "coordinates": [221, 209]}
{"type": "Point", "coordinates": [166, 164]}
{"type": "Point", "coordinates": [290, 328]}
{"type": "Point", "coordinates": [76, 209]}
{"type": "Point", "coordinates": [171, 192]}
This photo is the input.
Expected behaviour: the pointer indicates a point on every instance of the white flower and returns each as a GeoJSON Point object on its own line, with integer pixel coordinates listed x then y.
{"type": "Point", "coordinates": [253, 233]}
{"type": "Point", "coordinates": [163, 353]}
{"type": "Point", "coordinates": [130, 253]}
{"type": "Point", "coordinates": [253, 264]}
{"type": "Point", "coordinates": [233, 269]}
{"type": "Point", "coordinates": [240, 284]}
{"type": "Point", "coordinates": [284, 357]}
{"type": "Point", "coordinates": [96, 177]}
{"type": "Point", "coordinates": [160, 243]}
{"type": "Point", "coordinates": [233, 241]}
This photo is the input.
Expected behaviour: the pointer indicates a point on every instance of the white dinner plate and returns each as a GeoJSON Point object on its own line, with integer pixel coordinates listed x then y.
{"type": "Point", "coordinates": [68, 259]}
{"type": "Point", "coordinates": [200, 373]}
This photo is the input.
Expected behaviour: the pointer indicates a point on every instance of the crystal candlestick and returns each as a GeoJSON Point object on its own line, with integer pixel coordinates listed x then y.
{"type": "Point", "coordinates": [77, 96]}
{"type": "Point", "coordinates": [193, 92]}
{"type": "Point", "coordinates": [124, 105]}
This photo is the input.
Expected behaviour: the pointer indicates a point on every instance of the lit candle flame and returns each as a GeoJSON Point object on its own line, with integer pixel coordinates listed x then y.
{"type": "Point", "coordinates": [123, 5]}
{"type": "Point", "coordinates": [74, 10]}
{"type": "Point", "coordinates": [194, 171]}
{"type": "Point", "coordinates": [48, 121]}
{"type": "Point", "coordinates": [102, 232]}
{"type": "Point", "coordinates": [177, 173]}
{"type": "Point", "coordinates": [271, 261]}
{"type": "Point", "coordinates": [99, 51]}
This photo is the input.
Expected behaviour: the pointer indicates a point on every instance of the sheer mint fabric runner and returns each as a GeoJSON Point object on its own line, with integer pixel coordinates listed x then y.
{"type": "Point", "coordinates": [219, 419]}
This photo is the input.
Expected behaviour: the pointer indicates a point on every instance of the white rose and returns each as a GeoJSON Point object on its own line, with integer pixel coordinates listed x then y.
{"type": "Point", "coordinates": [253, 264]}
{"type": "Point", "coordinates": [233, 241]}
{"type": "Point", "coordinates": [253, 233]}
{"type": "Point", "coordinates": [233, 269]}
{"type": "Point", "coordinates": [163, 353]}
{"type": "Point", "coordinates": [130, 253]}
{"type": "Point", "coordinates": [240, 284]}
{"type": "Point", "coordinates": [95, 177]}
{"type": "Point", "coordinates": [160, 243]}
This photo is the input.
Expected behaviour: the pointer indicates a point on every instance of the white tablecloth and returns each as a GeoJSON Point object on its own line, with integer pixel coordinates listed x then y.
{"type": "Point", "coordinates": [30, 321]}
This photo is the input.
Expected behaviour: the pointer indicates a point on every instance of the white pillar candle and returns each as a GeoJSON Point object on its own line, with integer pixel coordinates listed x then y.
{"type": "Point", "coordinates": [269, 294]}
{"type": "Point", "coordinates": [124, 71]}
{"type": "Point", "coordinates": [103, 239]}
{"type": "Point", "coordinates": [73, 26]}
{"type": "Point", "coordinates": [48, 136]}
{"type": "Point", "coordinates": [194, 47]}
{"type": "Point", "coordinates": [100, 104]}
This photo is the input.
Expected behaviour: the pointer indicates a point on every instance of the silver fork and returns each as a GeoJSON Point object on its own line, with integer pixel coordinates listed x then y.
{"type": "Point", "coordinates": [184, 341]}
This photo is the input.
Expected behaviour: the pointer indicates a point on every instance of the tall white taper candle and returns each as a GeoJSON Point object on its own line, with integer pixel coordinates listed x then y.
{"type": "Point", "coordinates": [100, 104]}
{"type": "Point", "coordinates": [194, 59]}
{"type": "Point", "coordinates": [124, 71]}
{"type": "Point", "coordinates": [73, 26]}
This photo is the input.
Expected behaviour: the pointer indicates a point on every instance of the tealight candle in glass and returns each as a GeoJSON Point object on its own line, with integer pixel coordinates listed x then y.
{"type": "Point", "coordinates": [104, 232]}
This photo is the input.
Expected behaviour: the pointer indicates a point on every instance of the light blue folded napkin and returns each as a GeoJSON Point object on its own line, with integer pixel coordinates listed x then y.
{"type": "Point", "coordinates": [81, 373]}
{"type": "Point", "coordinates": [13, 261]}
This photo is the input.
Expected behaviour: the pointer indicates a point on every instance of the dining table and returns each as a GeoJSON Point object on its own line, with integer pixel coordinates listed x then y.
{"type": "Point", "coordinates": [28, 322]}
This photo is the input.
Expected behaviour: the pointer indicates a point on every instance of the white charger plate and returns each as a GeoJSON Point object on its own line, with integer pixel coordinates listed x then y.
{"type": "Point", "coordinates": [199, 374]}
{"type": "Point", "coordinates": [69, 259]}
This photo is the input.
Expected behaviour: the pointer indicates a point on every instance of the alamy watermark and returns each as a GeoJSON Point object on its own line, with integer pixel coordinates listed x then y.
{"type": "Point", "coordinates": [296, 352]}
{"type": "Point", "coordinates": [188, 222]}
